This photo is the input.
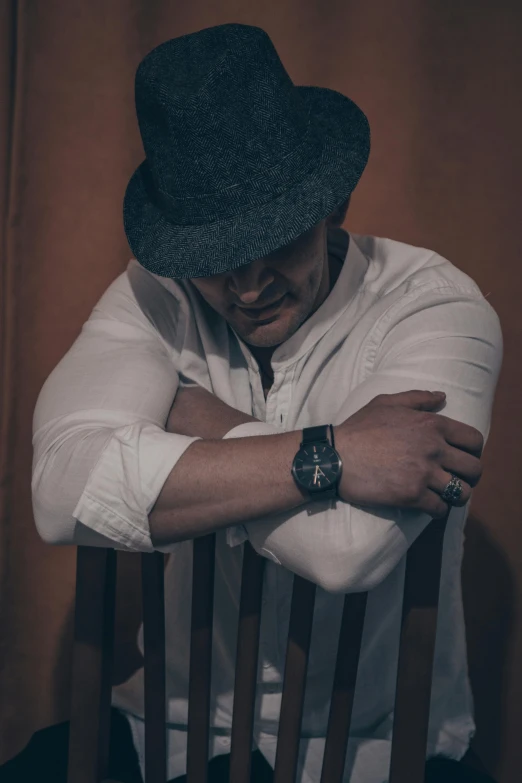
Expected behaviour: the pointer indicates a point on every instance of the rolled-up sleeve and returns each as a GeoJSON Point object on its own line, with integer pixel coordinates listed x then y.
{"type": "Point", "coordinates": [101, 454]}
{"type": "Point", "coordinates": [443, 338]}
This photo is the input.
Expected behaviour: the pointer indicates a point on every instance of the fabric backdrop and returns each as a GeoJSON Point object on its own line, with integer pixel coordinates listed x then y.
{"type": "Point", "coordinates": [440, 83]}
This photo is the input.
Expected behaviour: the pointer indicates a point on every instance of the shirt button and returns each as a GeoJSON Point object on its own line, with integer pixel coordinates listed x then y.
{"type": "Point", "coordinates": [225, 740]}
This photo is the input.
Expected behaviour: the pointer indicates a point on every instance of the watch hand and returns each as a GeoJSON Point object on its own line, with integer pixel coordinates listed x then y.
{"type": "Point", "coordinates": [317, 471]}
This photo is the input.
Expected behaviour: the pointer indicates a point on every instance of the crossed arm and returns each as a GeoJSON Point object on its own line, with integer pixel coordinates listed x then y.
{"type": "Point", "coordinates": [209, 487]}
{"type": "Point", "coordinates": [103, 452]}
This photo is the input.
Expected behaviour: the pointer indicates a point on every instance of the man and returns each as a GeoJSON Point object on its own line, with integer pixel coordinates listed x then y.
{"type": "Point", "coordinates": [146, 433]}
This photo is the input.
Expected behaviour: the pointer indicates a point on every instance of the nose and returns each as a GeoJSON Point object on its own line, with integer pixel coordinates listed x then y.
{"type": "Point", "coordinates": [250, 283]}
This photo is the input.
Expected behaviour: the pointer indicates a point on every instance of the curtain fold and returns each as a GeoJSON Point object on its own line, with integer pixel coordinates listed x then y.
{"type": "Point", "coordinates": [440, 84]}
{"type": "Point", "coordinates": [9, 128]}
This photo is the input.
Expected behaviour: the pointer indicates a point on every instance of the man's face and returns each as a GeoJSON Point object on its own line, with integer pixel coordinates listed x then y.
{"type": "Point", "coordinates": [298, 272]}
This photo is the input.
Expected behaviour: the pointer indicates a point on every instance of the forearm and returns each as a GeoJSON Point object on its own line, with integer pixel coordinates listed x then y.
{"type": "Point", "coordinates": [220, 483]}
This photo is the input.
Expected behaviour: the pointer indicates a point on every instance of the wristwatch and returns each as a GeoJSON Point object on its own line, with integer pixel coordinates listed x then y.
{"type": "Point", "coordinates": [317, 466]}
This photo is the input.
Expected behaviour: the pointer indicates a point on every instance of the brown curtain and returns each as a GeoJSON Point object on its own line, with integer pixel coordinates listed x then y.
{"type": "Point", "coordinates": [440, 83]}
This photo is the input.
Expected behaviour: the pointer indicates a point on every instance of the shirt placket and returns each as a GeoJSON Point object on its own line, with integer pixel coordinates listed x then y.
{"type": "Point", "coordinates": [274, 410]}
{"type": "Point", "coordinates": [279, 397]}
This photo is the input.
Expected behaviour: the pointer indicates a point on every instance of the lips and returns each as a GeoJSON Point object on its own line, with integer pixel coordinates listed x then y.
{"type": "Point", "coordinates": [265, 312]}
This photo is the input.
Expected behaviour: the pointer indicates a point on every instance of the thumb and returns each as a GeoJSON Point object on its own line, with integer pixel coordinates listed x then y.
{"type": "Point", "coordinates": [417, 399]}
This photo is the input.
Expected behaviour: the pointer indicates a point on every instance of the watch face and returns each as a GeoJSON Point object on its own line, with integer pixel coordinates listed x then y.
{"type": "Point", "coordinates": [316, 466]}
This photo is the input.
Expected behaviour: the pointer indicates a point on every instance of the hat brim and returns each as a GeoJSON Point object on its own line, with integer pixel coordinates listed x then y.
{"type": "Point", "coordinates": [185, 251]}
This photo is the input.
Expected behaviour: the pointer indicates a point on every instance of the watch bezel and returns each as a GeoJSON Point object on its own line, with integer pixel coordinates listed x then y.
{"type": "Point", "coordinates": [334, 453]}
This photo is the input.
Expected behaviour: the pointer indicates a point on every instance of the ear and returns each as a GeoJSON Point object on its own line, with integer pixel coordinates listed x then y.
{"type": "Point", "coordinates": [337, 217]}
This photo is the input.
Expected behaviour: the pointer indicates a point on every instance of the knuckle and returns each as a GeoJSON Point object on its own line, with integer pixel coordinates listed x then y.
{"type": "Point", "coordinates": [437, 448]}
{"type": "Point", "coordinates": [438, 426]}
{"type": "Point", "coordinates": [477, 473]}
{"type": "Point", "coordinates": [433, 424]}
{"type": "Point", "coordinates": [474, 473]}
{"type": "Point", "coordinates": [474, 439]}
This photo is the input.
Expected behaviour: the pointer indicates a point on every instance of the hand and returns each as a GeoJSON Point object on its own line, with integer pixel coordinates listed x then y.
{"type": "Point", "coordinates": [198, 413]}
{"type": "Point", "coordinates": [397, 453]}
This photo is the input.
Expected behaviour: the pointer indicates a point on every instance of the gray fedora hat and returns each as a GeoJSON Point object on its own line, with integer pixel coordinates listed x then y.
{"type": "Point", "coordinates": [239, 161]}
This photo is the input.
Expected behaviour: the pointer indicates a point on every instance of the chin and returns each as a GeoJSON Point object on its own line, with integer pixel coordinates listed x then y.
{"type": "Point", "coordinates": [267, 342]}
{"type": "Point", "coordinates": [269, 335]}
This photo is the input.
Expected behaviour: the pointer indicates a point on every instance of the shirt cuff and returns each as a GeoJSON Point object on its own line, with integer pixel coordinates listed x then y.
{"type": "Point", "coordinates": [237, 534]}
{"type": "Point", "coordinates": [251, 428]}
{"type": "Point", "coordinates": [126, 481]}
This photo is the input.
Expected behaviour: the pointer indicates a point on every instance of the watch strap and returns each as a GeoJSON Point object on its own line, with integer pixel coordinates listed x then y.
{"type": "Point", "coordinates": [317, 434]}
{"type": "Point", "coordinates": [329, 493]}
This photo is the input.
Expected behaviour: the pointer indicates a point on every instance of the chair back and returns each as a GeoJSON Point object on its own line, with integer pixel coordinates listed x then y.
{"type": "Point", "coordinates": [93, 650]}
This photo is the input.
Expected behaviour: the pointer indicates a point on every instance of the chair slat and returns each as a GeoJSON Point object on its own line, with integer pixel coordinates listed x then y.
{"type": "Point", "coordinates": [417, 645]}
{"type": "Point", "coordinates": [246, 664]}
{"type": "Point", "coordinates": [89, 732]}
{"type": "Point", "coordinates": [343, 691]}
{"type": "Point", "coordinates": [204, 549]}
{"type": "Point", "coordinates": [299, 635]}
{"type": "Point", "coordinates": [153, 599]}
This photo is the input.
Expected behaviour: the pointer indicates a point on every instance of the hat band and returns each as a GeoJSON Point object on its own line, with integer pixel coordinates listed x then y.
{"type": "Point", "coordinates": [239, 198]}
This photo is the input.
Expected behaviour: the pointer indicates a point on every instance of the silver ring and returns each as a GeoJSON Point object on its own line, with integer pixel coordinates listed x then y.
{"type": "Point", "coordinates": [452, 491]}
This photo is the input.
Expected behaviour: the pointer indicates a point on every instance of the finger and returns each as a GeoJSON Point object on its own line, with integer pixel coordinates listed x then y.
{"type": "Point", "coordinates": [464, 465]}
{"type": "Point", "coordinates": [414, 398]}
{"type": "Point", "coordinates": [462, 435]}
{"type": "Point", "coordinates": [440, 482]}
{"type": "Point", "coordinates": [431, 503]}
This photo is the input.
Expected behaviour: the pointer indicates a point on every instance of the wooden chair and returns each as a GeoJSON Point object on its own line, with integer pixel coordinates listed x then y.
{"type": "Point", "coordinates": [93, 648]}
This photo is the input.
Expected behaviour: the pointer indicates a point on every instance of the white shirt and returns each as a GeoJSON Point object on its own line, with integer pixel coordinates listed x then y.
{"type": "Point", "coordinates": [398, 318]}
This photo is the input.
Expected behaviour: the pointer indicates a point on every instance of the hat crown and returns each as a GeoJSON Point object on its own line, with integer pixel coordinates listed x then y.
{"type": "Point", "coordinates": [239, 160]}
{"type": "Point", "coordinates": [216, 109]}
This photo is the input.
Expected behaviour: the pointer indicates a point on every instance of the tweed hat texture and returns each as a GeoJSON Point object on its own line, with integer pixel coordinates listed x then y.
{"type": "Point", "coordinates": [238, 160]}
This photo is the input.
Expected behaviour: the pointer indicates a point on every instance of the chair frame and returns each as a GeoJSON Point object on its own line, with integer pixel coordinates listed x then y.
{"type": "Point", "coordinates": [93, 652]}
